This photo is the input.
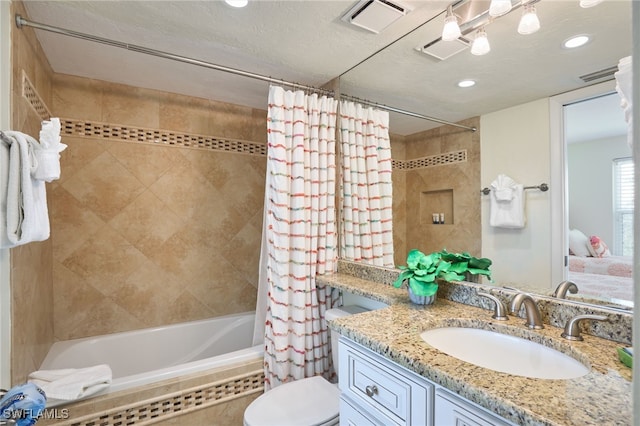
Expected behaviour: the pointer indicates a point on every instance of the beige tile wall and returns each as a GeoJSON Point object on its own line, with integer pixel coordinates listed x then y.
{"type": "Point", "coordinates": [146, 235]}
{"type": "Point", "coordinates": [463, 231]}
{"type": "Point", "coordinates": [31, 268]}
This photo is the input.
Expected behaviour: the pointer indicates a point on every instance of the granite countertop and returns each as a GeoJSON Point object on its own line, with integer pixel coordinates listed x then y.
{"type": "Point", "coordinates": [603, 396]}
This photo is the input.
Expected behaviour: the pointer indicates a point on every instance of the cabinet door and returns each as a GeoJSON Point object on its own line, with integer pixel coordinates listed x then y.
{"type": "Point", "coordinates": [451, 410]}
{"type": "Point", "coordinates": [380, 386]}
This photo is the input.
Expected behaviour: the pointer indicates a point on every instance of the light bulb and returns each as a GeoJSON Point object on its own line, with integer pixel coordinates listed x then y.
{"type": "Point", "coordinates": [237, 3]}
{"type": "Point", "coordinates": [529, 22]}
{"type": "Point", "coordinates": [576, 41]}
{"type": "Point", "coordinates": [589, 3]}
{"type": "Point", "coordinates": [499, 7]}
{"type": "Point", "coordinates": [480, 44]}
{"type": "Point", "coordinates": [451, 30]}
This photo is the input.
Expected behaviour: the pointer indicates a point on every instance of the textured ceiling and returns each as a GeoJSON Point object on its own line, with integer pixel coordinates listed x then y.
{"type": "Point", "coordinates": [307, 42]}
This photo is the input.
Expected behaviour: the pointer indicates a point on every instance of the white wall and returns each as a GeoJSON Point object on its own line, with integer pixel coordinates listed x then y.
{"type": "Point", "coordinates": [515, 142]}
{"type": "Point", "coordinates": [5, 91]}
{"type": "Point", "coordinates": [590, 185]}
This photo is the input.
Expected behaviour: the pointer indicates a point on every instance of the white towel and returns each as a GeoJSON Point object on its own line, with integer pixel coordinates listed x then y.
{"type": "Point", "coordinates": [624, 86]}
{"type": "Point", "coordinates": [24, 216]}
{"type": "Point", "coordinates": [5, 147]}
{"type": "Point", "coordinates": [72, 383]}
{"type": "Point", "coordinates": [507, 203]}
{"type": "Point", "coordinates": [47, 152]}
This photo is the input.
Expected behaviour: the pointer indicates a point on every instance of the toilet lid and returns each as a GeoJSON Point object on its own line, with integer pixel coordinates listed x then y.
{"type": "Point", "coordinates": [311, 401]}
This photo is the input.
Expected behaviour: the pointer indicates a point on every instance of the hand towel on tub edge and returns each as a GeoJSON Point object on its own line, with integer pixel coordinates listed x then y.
{"type": "Point", "coordinates": [507, 203]}
{"type": "Point", "coordinates": [72, 383]}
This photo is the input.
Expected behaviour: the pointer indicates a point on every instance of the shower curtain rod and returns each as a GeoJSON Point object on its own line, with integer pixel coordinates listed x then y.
{"type": "Point", "coordinates": [21, 22]}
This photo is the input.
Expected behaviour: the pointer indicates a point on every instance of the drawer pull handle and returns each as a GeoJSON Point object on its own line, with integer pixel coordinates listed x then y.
{"type": "Point", "coordinates": [371, 390]}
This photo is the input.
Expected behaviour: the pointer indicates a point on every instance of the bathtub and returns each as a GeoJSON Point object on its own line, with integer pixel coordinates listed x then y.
{"type": "Point", "coordinates": [146, 356]}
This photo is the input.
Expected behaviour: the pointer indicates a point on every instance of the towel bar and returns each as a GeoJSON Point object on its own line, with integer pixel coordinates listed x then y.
{"type": "Point", "coordinates": [542, 187]}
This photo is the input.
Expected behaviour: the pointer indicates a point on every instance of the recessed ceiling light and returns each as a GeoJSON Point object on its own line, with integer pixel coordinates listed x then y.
{"type": "Point", "coordinates": [466, 83]}
{"type": "Point", "coordinates": [237, 3]}
{"type": "Point", "coordinates": [576, 41]}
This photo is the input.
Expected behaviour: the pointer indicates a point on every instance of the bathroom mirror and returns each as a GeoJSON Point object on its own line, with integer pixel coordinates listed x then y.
{"type": "Point", "coordinates": [517, 70]}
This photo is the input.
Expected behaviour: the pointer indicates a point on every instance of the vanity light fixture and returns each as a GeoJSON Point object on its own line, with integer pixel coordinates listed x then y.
{"type": "Point", "coordinates": [480, 45]}
{"type": "Point", "coordinates": [529, 22]}
{"type": "Point", "coordinates": [237, 3]}
{"type": "Point", "coordinates": [576, 41]}
{"type": "Point", "coordinates": [499, 7]}
{"type": "Point", "coordinates": [477, 15]}
{"type": "Point", "coordinates": [466, 83]}
{"type": "Point", "coordinates": [451, 30]}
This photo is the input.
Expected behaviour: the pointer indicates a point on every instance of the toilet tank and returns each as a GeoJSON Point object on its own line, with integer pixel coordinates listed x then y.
{"type": "Point", "coordinates": [332, 314]}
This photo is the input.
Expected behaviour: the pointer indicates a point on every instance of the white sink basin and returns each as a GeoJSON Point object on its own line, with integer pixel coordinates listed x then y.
{"type": "Point", "coordinates": [504, 353]}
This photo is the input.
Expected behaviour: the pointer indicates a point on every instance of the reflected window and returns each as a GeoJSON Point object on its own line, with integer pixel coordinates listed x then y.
{"type": "Point", "coordinates": [623, 190]}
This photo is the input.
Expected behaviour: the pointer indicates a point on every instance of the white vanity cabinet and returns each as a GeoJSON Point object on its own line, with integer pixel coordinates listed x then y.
{"type": "Point", "coordinates": [376, 391]}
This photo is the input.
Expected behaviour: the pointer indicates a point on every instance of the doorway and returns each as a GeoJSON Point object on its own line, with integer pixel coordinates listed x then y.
{"type": "Point", "coordinates": [588, 132]}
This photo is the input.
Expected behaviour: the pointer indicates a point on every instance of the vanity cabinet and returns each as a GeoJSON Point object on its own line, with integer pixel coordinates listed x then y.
{"type": "Point", "coordinates": [376, 391]}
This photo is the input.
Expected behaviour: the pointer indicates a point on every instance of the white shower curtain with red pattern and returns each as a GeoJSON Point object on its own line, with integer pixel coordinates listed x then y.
{"type": "Point", "coordinates": [299, 237]}
{"type": "Point", "coordinates": [367, 231]}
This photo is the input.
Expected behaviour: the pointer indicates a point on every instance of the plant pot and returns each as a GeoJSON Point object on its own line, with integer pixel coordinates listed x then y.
{"type": "Point", "coordinates": [472, 278]}
{"type": "Point", "coordinates": [421, 300]}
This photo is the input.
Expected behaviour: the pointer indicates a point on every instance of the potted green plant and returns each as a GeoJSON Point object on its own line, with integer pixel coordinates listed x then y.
{"type": "Point", "coordinates": [468, 267]}
{"type": "Point", "coordinates": [420, 275]}
{"type": "Point", "coordinates": [422, 272]}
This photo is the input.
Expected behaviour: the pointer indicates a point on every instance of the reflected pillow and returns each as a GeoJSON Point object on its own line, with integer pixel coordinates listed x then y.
{"type": "Point", "coordinates": [597, 247]}
{"type": "Point", "coordinates": [579, 244]}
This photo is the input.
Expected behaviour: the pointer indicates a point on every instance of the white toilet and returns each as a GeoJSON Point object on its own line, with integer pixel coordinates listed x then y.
{"type": "Point", "coordinates": [307, 402]}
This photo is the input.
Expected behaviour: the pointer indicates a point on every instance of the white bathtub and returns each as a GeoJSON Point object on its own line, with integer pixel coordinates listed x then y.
{"type": "Point", "coordinates": [149, 355]}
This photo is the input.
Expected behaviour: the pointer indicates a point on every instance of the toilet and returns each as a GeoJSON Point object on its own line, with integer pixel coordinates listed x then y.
{"type": "Point", "coordinates": [307, 402]}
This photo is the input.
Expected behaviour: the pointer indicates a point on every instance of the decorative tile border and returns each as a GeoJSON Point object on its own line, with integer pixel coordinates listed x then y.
{"type": "Point", "coordinates": [174, 404]}
{"type": "Point", "coordinates": [33, 98]}
{"type": "Point", "coordinates": [94, 129]}
{"type": "Point", "coordinates": [443, 159]}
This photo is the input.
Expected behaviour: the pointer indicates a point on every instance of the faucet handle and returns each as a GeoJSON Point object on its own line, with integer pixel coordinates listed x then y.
{"type": "Point", "coordinates": [500, 311]}
{"type": "Point", "coordinates": [572, 329]}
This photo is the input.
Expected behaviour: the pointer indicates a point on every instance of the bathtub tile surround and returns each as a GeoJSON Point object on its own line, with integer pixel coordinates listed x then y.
{"type": "Point", "coordinates": [139, 227]}
{"type": "Point", "coordinates": [194, 399]}
{"type": "Point", "coordinates": [126, 250]}
{"type": "Point", "coordinates": [606, 391]}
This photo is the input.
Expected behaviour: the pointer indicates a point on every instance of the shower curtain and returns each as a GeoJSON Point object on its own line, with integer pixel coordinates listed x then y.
{"type": "Point", "coordinates": [367, 233]}
{"type": "Point", "coordinates": [298, 237]}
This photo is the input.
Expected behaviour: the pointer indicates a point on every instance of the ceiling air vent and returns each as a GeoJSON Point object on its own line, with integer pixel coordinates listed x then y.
{"type": "Point", "coordinates": [607, 72]}
{"type": "Point", "coordinates": [375, 15]}
{"type": "Point", "coordinates": [444, 49]}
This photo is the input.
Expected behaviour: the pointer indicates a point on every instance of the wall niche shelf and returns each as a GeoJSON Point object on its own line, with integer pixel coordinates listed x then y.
{"type": "Point", "coordinates": [439, 202]}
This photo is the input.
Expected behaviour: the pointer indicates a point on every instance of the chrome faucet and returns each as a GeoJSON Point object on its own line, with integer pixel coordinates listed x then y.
{"type": "Point", "coordinates": [500, 311]}
{"type": "Point", "coordinates": [530, 308]}
{"type": "Point", "coordinates": [563, 287]}
{"type": "Point", "coordinates": [572, 329]}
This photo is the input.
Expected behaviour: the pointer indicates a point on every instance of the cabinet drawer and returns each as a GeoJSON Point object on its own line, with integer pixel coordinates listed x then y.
{"type": "Point", "coordinates": [352, 415]}
{"type": "Point", "coordinates": [366, 379]}
{"type": "Point", "coordinates": [454, 411]}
